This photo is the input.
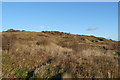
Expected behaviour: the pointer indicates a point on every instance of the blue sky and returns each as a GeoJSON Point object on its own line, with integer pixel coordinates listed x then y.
{"type": "Point", "coordinates": [84, 18]}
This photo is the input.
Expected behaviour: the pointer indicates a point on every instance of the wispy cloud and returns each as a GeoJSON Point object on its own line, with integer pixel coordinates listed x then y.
{"type": "Point", "coordinates": [41, 27]}
{"type": "Point", "coordinates": [92, 28]}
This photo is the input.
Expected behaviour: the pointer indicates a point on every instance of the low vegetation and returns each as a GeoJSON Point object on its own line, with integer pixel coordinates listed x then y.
{"type": "Point", "coordinates": [53, 54]}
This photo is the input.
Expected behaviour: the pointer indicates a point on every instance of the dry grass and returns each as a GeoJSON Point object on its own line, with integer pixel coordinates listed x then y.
{"type": "Point", "coordinates": [51, 55]}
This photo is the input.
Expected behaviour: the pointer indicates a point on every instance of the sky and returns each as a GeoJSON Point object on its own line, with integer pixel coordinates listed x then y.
{"type": "Point", "coordinates": [84, 18]}
{"type": "Point", "coordinates": [60, 0]}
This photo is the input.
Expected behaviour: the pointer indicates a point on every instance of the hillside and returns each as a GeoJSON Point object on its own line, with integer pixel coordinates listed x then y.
{"type": "Point", "coordinates": [51, 54]}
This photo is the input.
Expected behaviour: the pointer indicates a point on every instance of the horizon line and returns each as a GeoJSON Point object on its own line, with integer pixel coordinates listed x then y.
{"type": "Point", "coordinates": [57, 31]}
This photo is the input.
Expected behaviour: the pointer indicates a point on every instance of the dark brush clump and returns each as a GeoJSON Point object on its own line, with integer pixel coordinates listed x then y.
{"type": "Point", "coordinates": [12, 30]}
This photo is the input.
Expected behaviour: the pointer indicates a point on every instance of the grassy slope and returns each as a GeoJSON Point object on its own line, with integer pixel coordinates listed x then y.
{"type": "Point", "coordinates": [51, 54]}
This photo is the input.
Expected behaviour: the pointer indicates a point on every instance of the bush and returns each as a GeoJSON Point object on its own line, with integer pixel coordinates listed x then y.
{"type": "Point", "coordinates": [118, 53]}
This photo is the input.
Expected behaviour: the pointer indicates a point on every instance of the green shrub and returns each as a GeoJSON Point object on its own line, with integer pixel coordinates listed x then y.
{"type": "Point", "coordinates": [5, 55]}
{"type": "Point", "coordinates": [21, 73]}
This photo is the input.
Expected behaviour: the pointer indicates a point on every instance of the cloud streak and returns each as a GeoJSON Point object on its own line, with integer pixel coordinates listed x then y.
{"type": "Point", "coordinates": [92, 28]}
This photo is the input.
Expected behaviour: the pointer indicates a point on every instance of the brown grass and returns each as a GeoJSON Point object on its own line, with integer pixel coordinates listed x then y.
{"type": "Point", "coordinates": [57, 55]}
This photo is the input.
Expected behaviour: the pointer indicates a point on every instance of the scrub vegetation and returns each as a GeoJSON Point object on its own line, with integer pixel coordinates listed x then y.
{"type": "Point", "coordinates": [53, 54]}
